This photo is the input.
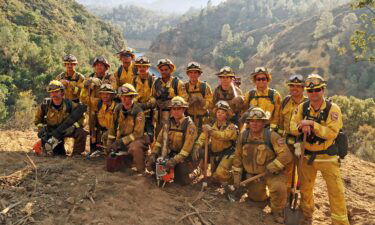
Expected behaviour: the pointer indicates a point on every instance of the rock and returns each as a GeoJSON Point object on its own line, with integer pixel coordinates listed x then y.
{"type": "Point", "coordinates": [70, 200]}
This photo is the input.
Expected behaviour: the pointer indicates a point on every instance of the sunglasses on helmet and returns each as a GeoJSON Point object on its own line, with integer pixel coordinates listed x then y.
{"type": "Point", "coordinates": [257, 114]}
{"type": "Point", "coordinates": [260, 69]}
{"type": "Point", "coordinates": [296, 78]}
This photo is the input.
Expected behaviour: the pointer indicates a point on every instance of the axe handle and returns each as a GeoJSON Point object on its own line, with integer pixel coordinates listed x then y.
{"type": "Point", "coordinates": [206, 155]}
{"type": "Point", "coordinates": [245, 182]}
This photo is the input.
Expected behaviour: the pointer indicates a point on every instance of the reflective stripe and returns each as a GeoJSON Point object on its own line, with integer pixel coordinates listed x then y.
{"type": "Point", "coordinates": [278, 164]}
{"type": "Point", "coordinates": [132, 137]}
{"type": "Point", "coordinates": [236, 169]}
{"type": "Point", "coordinates": [333, 159]}
{"type": "Point", "coordinates": [40, 125]}
{"type": "Point", "coordinates": [76, 124]}
{"type": "Point", "coordinates": [184, 153]}
{"type": "Point", "coordinates": [157, 144]}
{"type": "Point", "coordinates": [339, 217]}
{"type": "Point", "coordinates": [111, 137]}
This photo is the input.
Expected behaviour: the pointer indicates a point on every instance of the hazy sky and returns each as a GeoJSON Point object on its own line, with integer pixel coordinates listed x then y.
{"type": "Point", "coordinates": [173, 6]}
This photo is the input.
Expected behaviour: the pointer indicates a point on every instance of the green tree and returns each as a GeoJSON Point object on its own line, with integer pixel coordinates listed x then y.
{"type": "Point", "coordinates": [324, 25]}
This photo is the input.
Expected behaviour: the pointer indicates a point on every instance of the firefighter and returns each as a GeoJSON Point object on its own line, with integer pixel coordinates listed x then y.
{"type": "Point", "coordinates": [175, 142]}
{"type": "Point", "coordinates": [222, 137]}
{"type": "Point", "coordinates": [100, 76]}
{"type": "Point", "coordinates": [143, 83]}
{"type": "Point", "coordinates": [200, 95]}
{"type": "Point", "coordinates": [227, 91]}
{"type": "Point", "coordinates": [71, 79]}
{"type": "Point", "coordinates": [102, 113]}
{"type": "Point", "coordinates": [164, 89]}
{"type": "Point", "coordinates": [263, 96]}
{"type": "Point", "coordinates": [258, 150]}
{"type": "Point", "coordinates": [288, 105]}
{"type": "Point", "coordinates": [53, 112]}
{"type": "Point", "coordinates": [127, 71]}
{"type": "Point", "coordinates": [126, 132]}
{"type": "Point", "coordinates": [321, 121]}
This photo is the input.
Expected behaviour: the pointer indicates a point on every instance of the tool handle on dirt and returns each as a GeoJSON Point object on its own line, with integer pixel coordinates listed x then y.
{"type": "Point", "coordinates": [164, 148]}
{"type": "Point", "coordinates": [251, 179]}
{"type": "Point", "coordinates": [302, 153]}
{"type": "Point", "coordinates": [206, 155]}
{"type": "Point", "coordinates": [90, 120]}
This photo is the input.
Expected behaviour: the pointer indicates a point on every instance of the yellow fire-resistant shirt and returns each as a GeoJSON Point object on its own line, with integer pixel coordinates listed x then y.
{"type": "Point", "coordinates": [144, 87]}
{"type": "Point", "coordinates": [327, 130]}
{"type": "Point", "coordinates": [287, 112]}
{"type": "Point", "coordinates": [74, 85]}
{"type": "Point", "coordinates": [126, 76]}
{"type": "Point", "coordinates": [159, 85]}
{"type": "Point", "coordinates": [262, 101]}
{"type": "Point", "coordinates": [253, 155]}
{"type": "Point", "coordinates": [221, 138]}
{"type": "Point", "coordinates": [195, 90]}
{"type": "Point", "coordinates": [176, 142]}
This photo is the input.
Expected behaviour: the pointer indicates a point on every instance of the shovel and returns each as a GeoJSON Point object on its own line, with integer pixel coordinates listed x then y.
{"type": "Point", "coordinates": [292, 215]}
{"type": "Point", "coordinates": [235, 195]}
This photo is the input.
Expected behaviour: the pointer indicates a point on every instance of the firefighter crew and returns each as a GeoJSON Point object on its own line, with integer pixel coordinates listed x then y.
{"type": "Point", "coordinates": [143, 84]}
{"type": "Point", "coordinates": [126, 72]}
{"type": "Point", "coordinates": [321, 120]}
{"type": "Point", "coordinates": [260, 149]}
{"type": "Point", "coordinates": [102, 113]}
{"type": "Point", "coordinates": [126, 132]}
{"type": "Point", "coordinates": [177, 138]}
{"type": "Point", "coordinates": [263, 96]}
{"type": "Point", "coordinates": [288, 106]}
{"type": "Point", "coordinates": [164, 89]}
{"type": "Point", "coordinates": [53, 111]}
{"type": "Point", "coordinates": [222, 142]}
{"type": "Point", "coordinates": [100, 76]}
{"type": "Point", "coordinates": [71, 79]}
{"type": "Point", "coordinates": [227, 91]}
{"type": "Point", "coordinates": [200, 95]}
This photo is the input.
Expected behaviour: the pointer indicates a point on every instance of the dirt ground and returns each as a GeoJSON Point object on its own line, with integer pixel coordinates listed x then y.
{"type": "Point", "coordinates": [79, 191]}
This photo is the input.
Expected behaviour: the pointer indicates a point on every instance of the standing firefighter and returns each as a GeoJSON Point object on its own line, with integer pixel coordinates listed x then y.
{"type": "Point", "coordinates": [261, 150]}
{"type": "Point", "coordinates": [222, 137]}
{"type": "Point", "coordinates": [57, 118]}
{"type": "Point", "coordinates": [164, 89]}
{"type": "Point", "coordinates": [102, 113]}
{"type": "Point", "coordinates": [72, 80]}
{"type": "Point", "coordinates": [288, 106]}
{"type": "Point", "coordinates": [127, 128]}
{"type": "Point", "coordinates": [200, 95]}
{"type": "Point", "coordinates": [321, 121]}
{"type": "Point", "coordinates": [264, 97]}
{"type": "Point", "coordinates": [175, 142]}
{"type": "Point", "coordinates": [127, 71]}
{"type": "Point", "coordinates": [143, 84]}
{"type": "Point", "coordinates": [228, 92]}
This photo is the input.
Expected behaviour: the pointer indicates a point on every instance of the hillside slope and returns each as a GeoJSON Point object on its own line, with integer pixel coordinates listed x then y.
{"type": "Point", "coordinates": [60, 193]}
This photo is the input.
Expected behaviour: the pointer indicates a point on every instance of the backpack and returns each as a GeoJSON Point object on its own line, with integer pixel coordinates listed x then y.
{"type": "Point", "coordinates": [134, 112]}
{"type": "Point", "coordinates": [202, 88]}
{"type": "Point", "coordinates": [48, 101]}
{"type": "Point", "coordinates": [270, 95]}
{"type": "Point", "coordinates": [162, 93]}
{"type": "Point", "coordinates": [267, 138]}
{"type": "Point", "coordinates": [120, 68]}
{"type": "Point", "coordinates": [183, 129]}
{"type": "Point", "coordinates": [341, 145]}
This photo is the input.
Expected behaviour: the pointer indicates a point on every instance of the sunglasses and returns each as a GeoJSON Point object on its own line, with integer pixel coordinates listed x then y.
{"type": "Point", "coordinates": [316, 90]}
{"type": "Point", "coordinates": [261, 79]}
{"type": "Point", "coordinates": [257, 114]}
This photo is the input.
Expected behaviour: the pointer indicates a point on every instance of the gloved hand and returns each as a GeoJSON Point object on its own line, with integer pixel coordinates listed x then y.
{"type": "Point", "coordinates": [96, 82]}
{"type": "Point", "coordinates": [297, 149]}
{"type": "Point", "coordinates": [196, 100]}
{"type": "Point", "coordinates": [65, 82]}
{"type": "Point", "coordinates": [87, 83]}
{"type": "Point", "coordinates": [237, 179]}
{"type": "Point", "coordinates": [195, 154]}
{"type": "Point", "coordinates": [70, 130]}
{"type": "Point", "coordinates": [237, 103]}
{"type": "Point", "coordinates": [151, 159]}
{"type": "Point", "coordinates": [117, 146]}
{"type": "Point", "coordinates": [171, 163]}
{"type": "Point", "coordinates": [206, 128]}
{"type": "Point", "coordinates": [274, 167]}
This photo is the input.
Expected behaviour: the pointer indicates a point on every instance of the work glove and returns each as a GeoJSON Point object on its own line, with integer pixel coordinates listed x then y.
{"type": "Point", "coordinates": [65, 82]}
{"type": "Point", "coordinates": [171, 163]}
{"type": "Point", "coordinates": [196, 100]}
{"type": "Point", "coordinates": [87, 83]}
{"type": "Point", "coordinates": [117, 146]}
{"type": "Point", "coordinates": [206, 128]}
{"type": "Point", "coordinates": [196, 153]}
{"type": "Point", "coordinates": [297, 149]}
{"type": "Point", "coordinates": [274, 167]}
{"type": "Point", "coordinates": [237, 103]}
{"type": "Point", "coordinates": [96, 82]}
{"type": "Point", "coordinates": [237, 179]}
{"type": "Point", "coordinates": [151, 159]}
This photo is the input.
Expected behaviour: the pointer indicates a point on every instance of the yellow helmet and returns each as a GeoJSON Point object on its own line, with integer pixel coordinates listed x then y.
{"type": "Point", "coordinates": [178, 102]}
{"type": "Point", "coordinates": [127, 90]}
{"type": "Point", "coordinates": [261, 70]}
{"type": "Point", "coordinates": [142, 61]}
{"type": "Point", "coordinates": [70, 59]}
{"type": "Point", "coordinates": [55, 85]}
{"type": "Point", "coordinates": [226, 71]}
{"type": "Point", "coordinates": [314, 81]}
{"type": "Point", "coordinates": [257, 113]}
{"type": "Point", "coordinates": [106, 88]}
{"type": "Point", "coordinates": [126, 52]}
{"type": "Point", "coordinates": [166, 62]}
{"type": "Point", "coordinates": [194, 66]}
